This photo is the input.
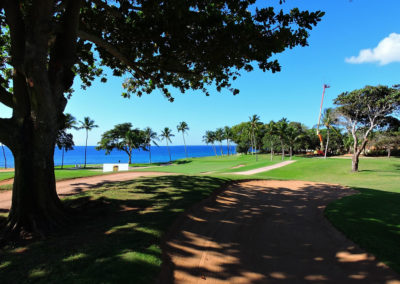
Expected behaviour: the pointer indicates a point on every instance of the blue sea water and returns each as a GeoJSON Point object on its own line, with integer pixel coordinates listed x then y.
{"type": "Point", "coordinates": [158, 154]}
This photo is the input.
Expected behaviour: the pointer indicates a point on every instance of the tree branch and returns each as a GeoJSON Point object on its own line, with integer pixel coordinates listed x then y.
{"type": "Point", "coordinates": [7, 128]}
{"type": "Point", "coordinates": [115, 52]}
{"type": "Point", "coordinates": [17, 31]}
{"type": "Point", "coordinates": [6, 98]}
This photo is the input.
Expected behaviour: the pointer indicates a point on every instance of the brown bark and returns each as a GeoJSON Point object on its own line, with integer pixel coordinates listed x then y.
{"type": "Point", "coordinates": [35, 204]}
{"type": "Point", "coordinates": [40, 79]}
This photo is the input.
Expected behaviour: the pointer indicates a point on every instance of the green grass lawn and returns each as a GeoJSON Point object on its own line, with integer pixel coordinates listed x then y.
{"type": "Point", "coordinates": [217, 165]}
{"type": "Point", "coordinates": [115, 237]}
{"type": "Point", "coordinates": [6, 175]}
{"type": "Point", "coordinates": [117, 232]}
{"type": "Point", "coordinates": [372, 218]}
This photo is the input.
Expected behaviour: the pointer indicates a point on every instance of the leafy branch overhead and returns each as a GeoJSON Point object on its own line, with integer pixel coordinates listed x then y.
{"type": "Point", "coordinates": [184, 44]}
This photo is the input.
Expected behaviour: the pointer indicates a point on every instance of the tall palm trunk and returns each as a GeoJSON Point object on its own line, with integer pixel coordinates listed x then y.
{"type": "Point", "coordinates": [87, 134]}
{"type": "Point", "coordinates": [283, 151]}
{"type": "Point", "coordinates": [62, 158]}
{"type": "Point", "coordinates": [215, 149]}
{"type": "Point", "coordinates": [184, 142]}
{"type": "Point", "coordinates": [327, 144]}
{"type": "Point", "coordinates": [272, 144]}
{"type": "Point", "coordinates": [220, 146]}
{"type": "Point", "coordinates": [255, 146]}
{"type": "Point", "coordinates": [291, 152]}
{"type": "Point", "coordinates": [227, 144]}
{"type": "Point", "coordinates": [252, 145]}
{"type": "Point", "coordinates": [150, 153]}
{"type": "Point", "coordinates": [5, 159]}
{"type": "Point", "coordinates": [169, 152]}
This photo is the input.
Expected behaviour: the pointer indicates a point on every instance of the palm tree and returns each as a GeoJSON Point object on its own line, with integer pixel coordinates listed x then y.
{"type": "Point", "coordinates": [271, 131]}
{"type": "Point", "coordinates": [70, 122]}
{"type": "Point", "coordinates": [292, 135]}
{"type": "Point", "coordinates": [183, 127]}
{"type": "Point", "coordinates": [329, 120]}
{"type": "Point", "coordinates": [150, 136]}
{"type": "Point", "coordinates": [209, 138]}
{"type": "Point", "coordinates": [219, 136]}
{"type": "Point", "coordinates": [65, 140]}
{"type": "Point", "coordinates": [281, 131]}
{"type": "Point", "coordinates": [4, 154]}
{"type": "Point", "coordinates": [254, 120]}
{"type": "Point", "coordinates": [227, 135]}
{"type": "Point", "coordinates": [132, 140]}
{"type": "Point", "coordinates": [88, 125]}
{"type": "Point", "coordinates": [166, 135]}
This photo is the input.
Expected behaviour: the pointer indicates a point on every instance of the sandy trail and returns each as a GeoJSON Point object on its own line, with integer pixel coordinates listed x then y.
{"type": "Point", "coordinates": [264, 169]}
{"type": "Point", "coordinates": [268, 232]}
{"type": "Point", "coordinates": [74, 186]}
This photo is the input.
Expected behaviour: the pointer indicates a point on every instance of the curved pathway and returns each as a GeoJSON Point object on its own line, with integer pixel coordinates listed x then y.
{"type": "Point", "coordinates": [268, 232]}
{"type": "Point", "coordinates": [74, 186]}
{"type": "Point", "coordinates": [264, 169]}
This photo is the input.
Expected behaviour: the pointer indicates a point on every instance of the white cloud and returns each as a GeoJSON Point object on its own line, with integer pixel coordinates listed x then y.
{"type": "Point", "coordinates": [387, 51]}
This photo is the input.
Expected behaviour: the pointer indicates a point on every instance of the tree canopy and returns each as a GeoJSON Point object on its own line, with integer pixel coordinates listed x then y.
{"type": "Point", "coordinates": [363, 110]}
{"type": "Point", "coordinates": [154, 44]}
{"type": "Point", "coordinates": [123, 138]}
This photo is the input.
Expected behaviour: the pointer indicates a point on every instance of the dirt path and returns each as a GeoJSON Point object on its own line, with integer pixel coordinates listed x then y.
{"type": "Point", "coordinates": [268, 232]}
{"type": "Point", "coordinates": [73, 186]}
{"type": "Point", "coordinates": [264, 169]}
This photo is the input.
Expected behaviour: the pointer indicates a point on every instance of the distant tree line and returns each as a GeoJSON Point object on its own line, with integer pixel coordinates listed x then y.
{"type": "Point", "coordinates": [364, 121]}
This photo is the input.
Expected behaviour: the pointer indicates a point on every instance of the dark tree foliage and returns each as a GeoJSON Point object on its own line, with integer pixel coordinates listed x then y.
{"type": "Point", "coordinates": [363, 110]}
{"type": "Point", "coordinates": [64, 142]}
{"type": "Point", "coordinates": [156, 44]}
{"type": "Point", "coordinates": [123, 138]}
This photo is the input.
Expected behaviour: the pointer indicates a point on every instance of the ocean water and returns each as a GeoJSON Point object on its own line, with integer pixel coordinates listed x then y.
{"type": "Point", "coordinates": [158, 154]}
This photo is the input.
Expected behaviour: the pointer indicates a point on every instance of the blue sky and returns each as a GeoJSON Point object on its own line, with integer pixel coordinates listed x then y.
{"type": "Point", "coordinates": [347, 28]}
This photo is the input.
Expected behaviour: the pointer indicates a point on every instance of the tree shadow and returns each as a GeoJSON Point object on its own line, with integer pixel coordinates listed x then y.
{"type": "Point", "coordinates": [256, 234]}
{"type": "Point", "coordinates": [115, 235]}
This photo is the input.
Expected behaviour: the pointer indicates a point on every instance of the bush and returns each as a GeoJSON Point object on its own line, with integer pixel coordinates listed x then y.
{"type": "Point", "coordinates": [383, 152]}
{"type": "Point", "coordinates": [242, 148]}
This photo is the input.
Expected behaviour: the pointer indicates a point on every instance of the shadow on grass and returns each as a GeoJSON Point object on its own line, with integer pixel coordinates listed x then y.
{"type": "Point", "coordinates": [115, 237]}
{"type": "Point", "coordinates": [372, 220]}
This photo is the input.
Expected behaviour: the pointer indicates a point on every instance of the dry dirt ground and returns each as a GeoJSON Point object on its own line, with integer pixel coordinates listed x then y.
{"type": "Point", "coordinates": [267, 232]}
{"type": "Point", "coordinates": [73, 186]}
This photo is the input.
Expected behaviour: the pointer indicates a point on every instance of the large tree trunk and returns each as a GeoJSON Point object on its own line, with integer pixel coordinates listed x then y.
{"type": "Point", "coordinates": [283, 151]}
{"type": "Point", "coordinates": [215, 150]}
{"type": "Point", "coordinates": [227, 145]}
{"type": "Point", "coordinates": [41, 74]}
{"type": "Point", "coordinates": [388, 152]}
{"type": "Point", "coordinates": [220, 146]}
{"type": "Point", "coordinates": [291, 152]}
{"type": "Point", "coordinates": [35, 204]}
{"type": "Point", "coordinates": [354, 163]}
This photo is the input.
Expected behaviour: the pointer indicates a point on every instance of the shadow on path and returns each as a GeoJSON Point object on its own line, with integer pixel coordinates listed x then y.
{"type": "Point", "coordinates": [269, 232]}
